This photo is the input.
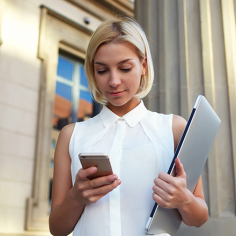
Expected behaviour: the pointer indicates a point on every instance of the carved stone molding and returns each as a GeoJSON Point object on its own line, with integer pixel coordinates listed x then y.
{"type": "Point", "coordinates": [97, 7]}
{"type": "Point", "coordinates": [228, 15]}
{"type": "Point", "coordinates": [56, 33]}
{"type": "Point", "coordinates": [119, 6]}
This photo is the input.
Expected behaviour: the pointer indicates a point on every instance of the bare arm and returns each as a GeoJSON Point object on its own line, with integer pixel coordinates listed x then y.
{"type": "Point", "coordinates": [68, 201]}
{"type": "Point", "coordinates": [195, 211]}
{"type": "Point", "coordinates": [171, 192]}
{"type": "Point", "coordinates": [65, 211]}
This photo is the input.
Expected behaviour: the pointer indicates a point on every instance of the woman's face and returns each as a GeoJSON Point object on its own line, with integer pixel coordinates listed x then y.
{"type": "Point", "coordinates": [118, 71]}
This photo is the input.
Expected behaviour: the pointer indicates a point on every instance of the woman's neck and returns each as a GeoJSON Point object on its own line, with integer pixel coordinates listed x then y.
{"type": "Point", "coordinates": [125, 108]}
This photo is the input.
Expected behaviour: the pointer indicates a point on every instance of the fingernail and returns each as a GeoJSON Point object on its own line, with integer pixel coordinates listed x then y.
{"type": "Point", "coordinates": [118, 181]}
{"type": "Point", "coordinates": [94, 169]}
{"type": "Point", "coordinates": [114, 177]}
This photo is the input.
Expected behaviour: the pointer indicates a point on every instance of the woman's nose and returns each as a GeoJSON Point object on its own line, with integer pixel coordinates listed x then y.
{"type": "Point", "coordinates": [114, 79]}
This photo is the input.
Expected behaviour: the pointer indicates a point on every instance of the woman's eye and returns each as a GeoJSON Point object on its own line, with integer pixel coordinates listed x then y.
{"type": "Point", "coordinates": [126, 69]}
{"type": "Point", "coordinates": [101, 71]}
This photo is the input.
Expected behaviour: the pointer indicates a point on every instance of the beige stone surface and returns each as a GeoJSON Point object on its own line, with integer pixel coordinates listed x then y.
{"type": "Point", "coordinates": [13, 194]}
{"type": "Point", "coordinates": [18, 54]}
{"type": "Point", "coordinates": [73, 13]}
{"type": "Point", "coordinates": [16, 144]}
{"type": "Point", "coordinates": [12, 219]}
{"type": "Point", "coordinates": [20, 22]}
{"type": "Point", "coordinates": [16, 169]}
{"type": "Point", "coordinates": [2, 8]}
{"type": "Point", "coordinates": [22, 72]}
{"type": "Point", "coordinates": [15, 120]}
{"type": "Point", "coordinates": [203, 37]}
{"type": "Point", "coordinates": [18, 96]}
{"type": "Point", "coordinates": [22, 76]}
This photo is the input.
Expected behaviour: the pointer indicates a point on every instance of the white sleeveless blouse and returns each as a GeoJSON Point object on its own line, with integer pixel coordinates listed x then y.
{"type": "Point", "coordinates": [139, 145]}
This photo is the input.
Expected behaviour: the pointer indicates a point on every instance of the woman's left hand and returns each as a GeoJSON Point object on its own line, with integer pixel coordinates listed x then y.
{"type": "Point", "coordinates": [172, 192]}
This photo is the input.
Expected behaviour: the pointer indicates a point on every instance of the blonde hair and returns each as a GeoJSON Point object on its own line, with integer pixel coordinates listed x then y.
{"type": "Point", "coordinates": [119, 31]}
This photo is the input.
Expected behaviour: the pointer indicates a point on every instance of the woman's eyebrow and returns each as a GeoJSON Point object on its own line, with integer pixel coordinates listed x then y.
{"type": "Point", "coordinates": [99, 63]}
{"type": "Point", "coordinates": [103, 64]}
{"type": "Point", "coordinates": [125, 61]}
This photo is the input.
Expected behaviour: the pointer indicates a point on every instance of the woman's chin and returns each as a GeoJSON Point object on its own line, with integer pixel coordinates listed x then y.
{"type": "Point", "coordinates": [123, 102]}
{"type": "Point", "coordinates": [116, 103]}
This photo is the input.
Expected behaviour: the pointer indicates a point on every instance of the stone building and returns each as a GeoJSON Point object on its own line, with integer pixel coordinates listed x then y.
{"type": "Point", "coordinates": [193, 44]}
{"type": "Point", "coordinates": [43, 88]}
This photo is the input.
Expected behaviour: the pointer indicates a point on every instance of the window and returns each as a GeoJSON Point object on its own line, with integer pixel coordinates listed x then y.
{"type": "Point", "coordinates": [73, 101]}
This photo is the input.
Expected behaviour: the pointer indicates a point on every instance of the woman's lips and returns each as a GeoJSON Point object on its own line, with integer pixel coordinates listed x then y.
{"type": "Point", "coordinates": [116, 94]}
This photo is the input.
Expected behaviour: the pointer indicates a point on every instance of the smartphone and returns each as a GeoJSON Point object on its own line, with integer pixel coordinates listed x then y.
{"type": "Point", "coordinates": [101, 161]}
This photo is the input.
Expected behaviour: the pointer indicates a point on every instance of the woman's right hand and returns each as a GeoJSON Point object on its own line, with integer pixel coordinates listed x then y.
{"type": "Point", "coordinates": [87, 191]}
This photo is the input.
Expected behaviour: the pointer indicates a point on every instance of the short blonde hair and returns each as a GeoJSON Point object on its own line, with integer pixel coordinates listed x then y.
{"type": "Point", "coordinates": [119, 31]}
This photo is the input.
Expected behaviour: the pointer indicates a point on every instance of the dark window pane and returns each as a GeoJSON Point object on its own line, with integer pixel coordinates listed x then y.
{"type": "Point", "coordinates": [62, 105]}
{"type": "Point", "coordinates": [85, 110]}
{"type": "Point", "coordinates": [85, 106]}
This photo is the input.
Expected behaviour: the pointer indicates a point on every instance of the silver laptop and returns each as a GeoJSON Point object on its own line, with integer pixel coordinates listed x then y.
{"type": "Point", "coordinates": [193, 150]}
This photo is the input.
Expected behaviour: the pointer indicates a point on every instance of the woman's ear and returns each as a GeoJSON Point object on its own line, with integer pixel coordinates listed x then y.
{"type": "Point", "coordinates": [144, 65]}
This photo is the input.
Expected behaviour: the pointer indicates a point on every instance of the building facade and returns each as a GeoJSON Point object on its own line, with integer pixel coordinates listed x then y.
{"type": "Point", "coordinates": [193, 47]}
{"type": "Point", "coordinates": [43, 88]}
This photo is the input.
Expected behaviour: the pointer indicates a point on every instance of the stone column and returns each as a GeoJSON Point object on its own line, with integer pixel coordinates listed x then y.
{"type": "Point", "coordinates": [193, 45]}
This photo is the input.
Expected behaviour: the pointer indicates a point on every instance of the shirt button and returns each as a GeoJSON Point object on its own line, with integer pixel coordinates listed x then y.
{"type": "Point", "coordinates": [121, 119]}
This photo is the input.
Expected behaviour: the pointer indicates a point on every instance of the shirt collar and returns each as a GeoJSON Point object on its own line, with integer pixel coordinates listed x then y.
{"type": "Point", "coordinates": [132, 117]}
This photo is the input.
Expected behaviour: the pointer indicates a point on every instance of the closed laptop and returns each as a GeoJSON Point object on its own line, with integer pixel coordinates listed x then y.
{"type": "Point", "coordinates": [193, 150]}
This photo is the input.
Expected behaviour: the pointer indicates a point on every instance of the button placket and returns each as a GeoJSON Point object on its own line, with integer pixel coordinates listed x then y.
{"type": "Point", "coordinates": [114, 196]}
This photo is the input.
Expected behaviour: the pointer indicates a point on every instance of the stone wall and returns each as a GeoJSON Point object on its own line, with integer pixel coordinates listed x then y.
{"type": "Point", "coordinates": [32, 32]}
{"type": "Point", "coordinates": [194, 52]}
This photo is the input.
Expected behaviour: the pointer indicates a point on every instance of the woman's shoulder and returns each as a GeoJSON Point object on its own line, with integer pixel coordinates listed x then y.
{"type": "Point", "coordinates": [178, 126]}
{"type": "Point", "coordinates": [179, 121]}
{"type": "Point", "coordinates": [66, 132]}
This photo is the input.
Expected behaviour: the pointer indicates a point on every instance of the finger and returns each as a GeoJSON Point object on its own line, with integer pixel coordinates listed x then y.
{"type": "Point", "coordinates": [97, 182]}
{"type": "Point", "coordinates": [160, 192]}
{"type": "Point", "coordinates": [165, 177]}
{"type": "Point", "coordinates": [83, 174]}
{"type": "Point", "coordinates": [179, 168]}
{"type": "Point", "coordinates": [167, 187]}
{"type": "Point", "coordinates": [106, 188]}
{"type": "Point", "coordinates": [101, 190]}
{"type": "Point", "coordinates": [87, 184]}
{"type": "Point", "coordinates": [159, 200]}
{"type": "Point", "coordinates": [173, 182]}
{"type": "Point", "coordinates": [95, 198]}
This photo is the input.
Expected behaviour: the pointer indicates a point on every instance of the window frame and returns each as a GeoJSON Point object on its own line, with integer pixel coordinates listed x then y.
{"type": "Point", "coordinates": [48, 51]}
{"type": "Point", "coordinates": [75, 84]}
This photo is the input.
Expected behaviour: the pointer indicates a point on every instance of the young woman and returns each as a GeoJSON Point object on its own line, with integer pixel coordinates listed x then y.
{"type": "Point", "coordinates": [140, 145]}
